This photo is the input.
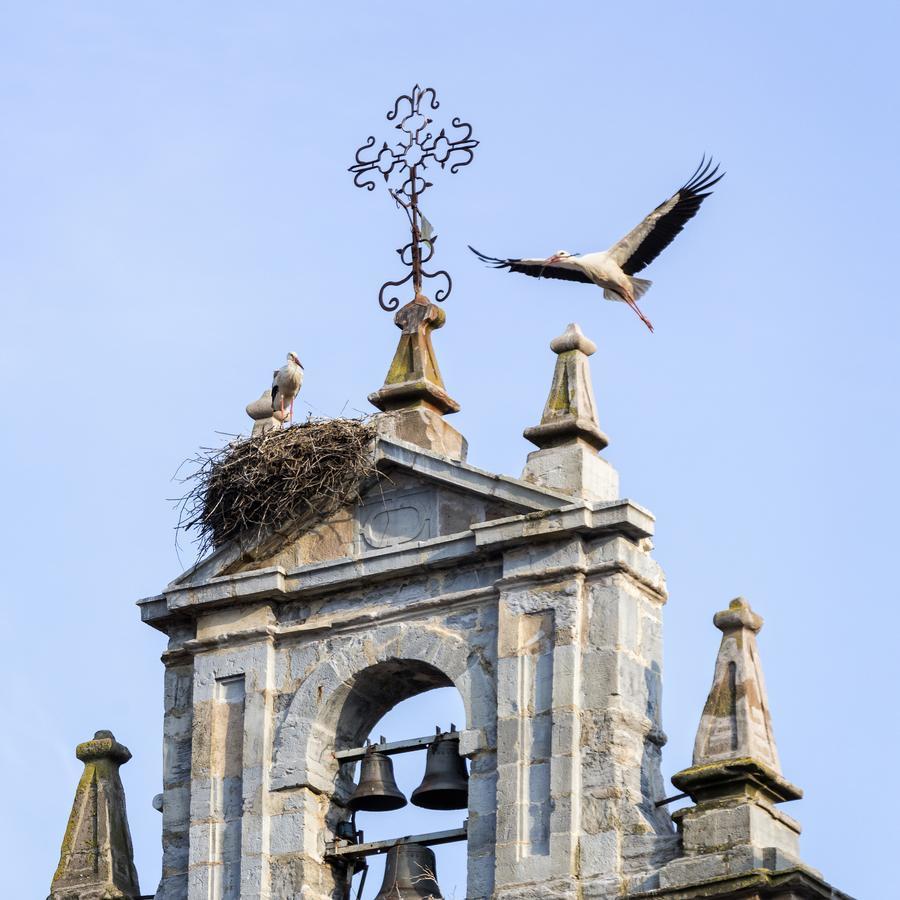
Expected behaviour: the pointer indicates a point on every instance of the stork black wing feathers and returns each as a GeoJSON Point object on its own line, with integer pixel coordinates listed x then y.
{"type": "Point", "coordinates": [689, 197]}
{"type": "Point", "coordinates": [534, 269]}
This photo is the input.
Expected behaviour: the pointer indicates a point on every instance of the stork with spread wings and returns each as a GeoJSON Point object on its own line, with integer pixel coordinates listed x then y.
{"type": "Point", "coordinates": [614, 269]}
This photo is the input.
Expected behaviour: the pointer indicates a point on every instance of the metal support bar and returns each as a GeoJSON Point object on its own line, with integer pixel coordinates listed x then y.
{"type": "Point", "coordinates": [391, 747]}
{"type": "Point", "coordinates": [660, 803]}
{"type": "Point", "coordinates": [430, 839]}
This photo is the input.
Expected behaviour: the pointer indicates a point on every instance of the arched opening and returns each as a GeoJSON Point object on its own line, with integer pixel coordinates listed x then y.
{"type": "Point", "coordinates": [344, 690]}
{"type": "Point", "coordinates": [416, 717]}
{"type": "Point", "coordinates": [400, 699]}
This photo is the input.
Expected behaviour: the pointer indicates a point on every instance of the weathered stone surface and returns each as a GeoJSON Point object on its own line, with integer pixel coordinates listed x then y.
{"type": "Point", "coordinates": [575, 468]}
{"type": "Point", "coordinates": [569, 434]}
{"type": "Point", "coordinates": [413, 397]}
{"type": "Point", "coordinates": [507, 621]}
{"type": "Point", "coordinates": [736, 722]}
{"type": "Point", "coordinates": [96, 860]}
{"type": "Point", "coordinates": [424, 427]}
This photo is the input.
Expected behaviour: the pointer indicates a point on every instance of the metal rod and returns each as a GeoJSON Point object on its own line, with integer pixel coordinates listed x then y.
{"type": "Point", "coordinates": [429, 839]}
{"type": "Point", "coordinates": [362, 881]}
{"type": "Point", "coordinates": [660, 803]}
{"type": "Point", "coordinates": [420, 743]}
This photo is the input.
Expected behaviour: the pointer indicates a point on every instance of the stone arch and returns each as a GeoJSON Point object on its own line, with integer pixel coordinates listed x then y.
{"type": "Point", "coordinates": [355, 680]}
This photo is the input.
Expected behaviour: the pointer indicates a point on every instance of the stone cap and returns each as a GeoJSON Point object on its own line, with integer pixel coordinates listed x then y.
{"type": "Point", "coordinates": [573, 338]}
{"type": "Point", "coordinates": [722, 779]}
{"type": "Point", "coordinates": [103, 746]}
{"type": "Point", "coordinates": [421, 392]}
{"type": "Point", "coordinates": [738, 615]}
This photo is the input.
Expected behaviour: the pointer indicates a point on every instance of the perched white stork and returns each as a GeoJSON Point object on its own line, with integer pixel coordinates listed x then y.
{"type": "Point", "coordinates": [614, 269]}
{"type": "Point", "coordinates": [286, 383]}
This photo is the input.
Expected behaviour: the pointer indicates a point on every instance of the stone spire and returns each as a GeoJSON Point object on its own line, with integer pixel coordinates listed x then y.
{"type": "Point", "coordinates": [569, 435]}
{"type": "Point", "coordinates": [735, 780]}
{"type": "Point", "coordinates": [96, 859]}
{"type": "Point", "coordinates": [736, 723]}
{"type": "Point", "coordinates": [413, 397]}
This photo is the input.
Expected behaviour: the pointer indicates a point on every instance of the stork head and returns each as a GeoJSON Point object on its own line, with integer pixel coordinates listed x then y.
{"type": "Point", "coordinates": [560, 254]}
{"type": "Point", "coordinates": [292, 357]}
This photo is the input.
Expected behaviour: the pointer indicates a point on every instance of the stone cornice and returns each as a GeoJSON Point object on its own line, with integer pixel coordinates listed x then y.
{"type": "Point", "coordinates": [489, 538]}
{"type": "Point", "coordinates": [316, 629]}
{"type": "Point", "coordinates": [761, 883]}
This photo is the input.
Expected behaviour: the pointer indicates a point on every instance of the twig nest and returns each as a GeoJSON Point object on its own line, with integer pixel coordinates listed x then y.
{"type": "Point", "coordinates": [309, 470]}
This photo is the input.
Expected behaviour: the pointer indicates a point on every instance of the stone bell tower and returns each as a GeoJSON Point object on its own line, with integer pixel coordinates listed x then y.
{"type": "Point", "coordinates": [537, 598]}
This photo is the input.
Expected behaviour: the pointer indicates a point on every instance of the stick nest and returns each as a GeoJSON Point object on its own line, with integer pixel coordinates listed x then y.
{"type": "Point", "coordinates": [259, 484]}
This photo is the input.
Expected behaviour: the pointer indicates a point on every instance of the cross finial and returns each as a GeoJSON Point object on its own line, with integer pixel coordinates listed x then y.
{"type": "Point", "coordinates": [403, 164]}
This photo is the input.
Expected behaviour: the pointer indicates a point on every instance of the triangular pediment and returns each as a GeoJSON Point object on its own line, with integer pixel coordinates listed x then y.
{"type": "Point", "coordinates": [417, 496]}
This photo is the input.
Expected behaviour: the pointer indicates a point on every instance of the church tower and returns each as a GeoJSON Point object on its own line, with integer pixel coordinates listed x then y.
{"type": "Point", "coordinates": [536, 598]}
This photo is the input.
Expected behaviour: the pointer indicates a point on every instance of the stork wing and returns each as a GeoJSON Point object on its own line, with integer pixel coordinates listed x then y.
{"type": "Point", "coordinates": [645, 242]}
{"type": "Point", "coordinates": [274, 387]}
{"type": "Point", "coordinates": [537, 268]}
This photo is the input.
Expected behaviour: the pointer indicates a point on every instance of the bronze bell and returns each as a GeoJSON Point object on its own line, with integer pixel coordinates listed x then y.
{"type": "Point", "coordinates": [446, 781]}
{"type": "Point", "coordinates": [409, 874]}
{"type": "Point", "coordinates": [377, 790]}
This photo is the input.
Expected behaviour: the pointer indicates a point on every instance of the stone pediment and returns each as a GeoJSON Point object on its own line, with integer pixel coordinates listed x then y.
{"type": "Point", "coordinates": [417, 497]}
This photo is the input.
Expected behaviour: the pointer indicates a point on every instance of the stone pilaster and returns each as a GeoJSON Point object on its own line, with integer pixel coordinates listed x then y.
{"type": "Point", "coordinates": [624, 836]}
{"type": "Point", "coordinates": [176, 795]}
{"type": "Point", "coordinates": [540, 634]}
{"type": "Point", "coordinates": [413, 398]}
{"type": "Point", "coordinates": [578, 721]}
{"type": "Point", "coordinates": [96, 861]}
{"type": "Point", "coordinates": [231, 760]}
{"type": "Point", "coordinates": [569, 435]}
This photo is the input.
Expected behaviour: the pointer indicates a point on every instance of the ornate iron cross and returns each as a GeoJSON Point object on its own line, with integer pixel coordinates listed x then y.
{"type": "Point", "coordinates": [402, 164]}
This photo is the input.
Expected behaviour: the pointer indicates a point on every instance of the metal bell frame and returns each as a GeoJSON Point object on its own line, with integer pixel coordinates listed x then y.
{"type": "Point", "coordinates": [407, 852]}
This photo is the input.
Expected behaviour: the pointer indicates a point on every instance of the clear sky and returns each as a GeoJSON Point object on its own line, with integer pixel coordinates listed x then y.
{"type": "Point", "coordinates": [176, 215]}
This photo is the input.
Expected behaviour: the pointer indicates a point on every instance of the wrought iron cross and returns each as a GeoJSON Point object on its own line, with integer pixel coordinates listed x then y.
{"type": "Point", "coordinates": [402, 164]}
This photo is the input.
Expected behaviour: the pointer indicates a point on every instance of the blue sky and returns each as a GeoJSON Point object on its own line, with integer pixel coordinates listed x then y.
{"type": "Point", "coordinates": [177, 215]}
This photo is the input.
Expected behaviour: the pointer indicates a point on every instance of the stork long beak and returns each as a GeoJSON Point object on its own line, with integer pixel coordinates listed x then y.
{"type": "Point", "coordinates": [552, 259]}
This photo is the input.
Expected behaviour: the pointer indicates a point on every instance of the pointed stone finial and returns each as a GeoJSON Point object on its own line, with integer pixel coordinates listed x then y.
{"type": "Point", "coordinates": [736, 723]}
{"type": "Point", "coordinates": [735, 780]}
{"type": "Point", "coordinates": [569, 434]}
{"type": "Point", "coordinates": [413, 397]}
{"type": "Point", "coordinates": [736, 728]}
{"type": "Point", "coordinates": [96, 861]}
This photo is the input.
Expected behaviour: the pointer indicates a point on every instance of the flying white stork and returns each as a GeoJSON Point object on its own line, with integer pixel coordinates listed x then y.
{"type": "Point", "coordinates": [614, 269]}
{"type": "Point", "coordinates": [286, 383]}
